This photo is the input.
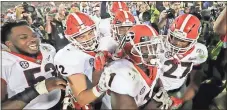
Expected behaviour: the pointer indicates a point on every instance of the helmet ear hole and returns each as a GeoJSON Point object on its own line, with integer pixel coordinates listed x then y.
{"type": "Point", "coordinates": [129, 36]}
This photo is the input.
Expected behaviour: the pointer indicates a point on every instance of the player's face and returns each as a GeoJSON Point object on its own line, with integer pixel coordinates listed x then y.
{"type": "Point", "coordinates": [24, 39]}
{"type": "Point", "coordinates": [123, 30]}
{"type": "Point", "coordinates": [86, 37]}
{"type": "Point", "coordinates": [147, 51]}
{"type": "Point", "coordinates": [178, 42]}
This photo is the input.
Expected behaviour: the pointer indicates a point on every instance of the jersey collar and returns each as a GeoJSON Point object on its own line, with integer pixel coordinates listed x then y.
{"type": "Point", "coordinates": [37, 60]}
{"type": "Point", "coordinates": [152, 75]}
{"type": "Point", "coordinates": [181, 56]}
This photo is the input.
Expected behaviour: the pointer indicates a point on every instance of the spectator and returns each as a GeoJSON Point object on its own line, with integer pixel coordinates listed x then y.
{"type": "Point", "coordinates": [165, 20]}
{"type": "Point", "coordinates": [165, 6]}
{"type": "Point", "coordinates": [84, 8]}
{"type": "Point", "coordinates": [22, 15]}
{"type": "Point", "coordinates": [206, 4]}
{"type": "Point", "coordinates": [176, 7]}
{"type": "Point", "coordinates": [146, 20]}
{"type": "Point", "coordinates": [154, 13]}
{"type": "Point", "coordinates": [74, 8]}
{"type": "Point", "coordinates": [55, 28]}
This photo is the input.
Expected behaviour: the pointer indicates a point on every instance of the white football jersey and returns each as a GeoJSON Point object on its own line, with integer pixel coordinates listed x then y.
{"type": "Point", "coordinates": [174, 75]}
{"type": "Point", "coordinates": [126, 79]}
{"type": "Point", "coordinates": [20, 72]}
{"type": "Point", "coordinates": [71, 60]}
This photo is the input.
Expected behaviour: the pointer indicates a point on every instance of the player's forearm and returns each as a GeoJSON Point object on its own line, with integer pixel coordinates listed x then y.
{"type": "Point", "coordinates": [86, 97]}
{"type": "Point", "coordinates": [161, 23]}
{"type": "Point", "coordinates": [20, 100]}
{"type": "Point", "coordinates": [48, 27]}
{"type": "Point", "coordinates": [220, 23]}
{"type": "Point", "coordinates": [190, 92]}
{"type": "Point", "coordinates": [16, 104]}
{"type": "Point", "coordinates": [95, 77]}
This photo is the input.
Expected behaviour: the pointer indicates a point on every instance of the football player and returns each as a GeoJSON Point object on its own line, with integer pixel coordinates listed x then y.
{"type": "Point", "coordinates": [76, 60]}
{"type": "Point", "coordinates": [131, 82]}
{"type": "Point", "coordinates": [182, 60]}
{"type": "Point", "coordinates": [26, 65]}
{"type": "Point", "coordinates": [121, 23]}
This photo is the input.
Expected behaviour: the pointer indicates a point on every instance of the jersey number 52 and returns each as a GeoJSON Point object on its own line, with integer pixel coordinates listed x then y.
{"type": "Point", "coordinates": [30, 74]}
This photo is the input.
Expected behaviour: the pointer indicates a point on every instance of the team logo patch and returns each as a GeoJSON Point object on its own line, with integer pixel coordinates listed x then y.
{"type": "Point", "coordinates": [168, 54]}
{"type": "Point", "coordinates": [200, 51]}
{"type": "Point", "coordinates": [24, 64]}
{"type": "Point", "coordinates": [91, 61]}
{"type": "Point", "coordinates": [142, 90]}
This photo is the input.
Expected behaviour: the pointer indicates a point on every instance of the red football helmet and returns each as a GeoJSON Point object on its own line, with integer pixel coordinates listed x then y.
{"type": "Point", "coordinates": [77, 24]}
{"type": "Point", "coordinates": [119, 6]}
{"type": "Point", "coordinates": [122, 21]}
{"type": "Point", "coordinates": [185, 28]}
{"type": "Point", "coordinates": [144, 45]}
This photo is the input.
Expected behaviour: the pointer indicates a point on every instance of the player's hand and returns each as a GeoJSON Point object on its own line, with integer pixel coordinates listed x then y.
{"type": "Point", "coordinates": [118, 54]}
{"type": "Point", "coordinates": [49, 18]}
{"type": "Point", "coordinates": [162, 97]}
{"type": "Point", "coordinates": [163, 15]}
{"type": "Point", "coordinates": [103, 82]}
{"type": "Point", "coordinates": [50, 84]}
{"type": "Point", "coordinates": [101, 59]}
{"type": "Point", "coordinates": [177, 103]}
{"type": "Point", "coordinates": [19, 9]}
{"type": "Point", "coordinates": [55, 83]}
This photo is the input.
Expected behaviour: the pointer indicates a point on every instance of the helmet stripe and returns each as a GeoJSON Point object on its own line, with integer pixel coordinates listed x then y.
{"type": "Point", "coordinates": [119, 4]}
{"type": "Point", "coordinates": [78, 20]}
{"type": "Point", "coordinates": [185, 22]}
{"type": "Point", "coordinates": [126, 16]}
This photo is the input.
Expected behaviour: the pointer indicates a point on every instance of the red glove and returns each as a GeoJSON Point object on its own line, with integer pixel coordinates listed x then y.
{"type": "Point", "coordinates": [101, 59]}
{"type": "Point", "coordinates": [177, 103]}
{"type": "Point", "coordinates": [118, 54]}
{"type": "Point", "coordinates": [85, 107]}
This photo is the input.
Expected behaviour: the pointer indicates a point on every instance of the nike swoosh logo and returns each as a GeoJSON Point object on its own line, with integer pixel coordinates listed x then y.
{"type": "Point", "coordinates": [160, 96]}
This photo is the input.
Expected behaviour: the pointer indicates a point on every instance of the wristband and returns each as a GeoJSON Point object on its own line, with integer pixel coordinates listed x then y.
{"type": "Point", "coordinates": [41, 87]}
{"type": "Point", "coordinates": [96, 91]}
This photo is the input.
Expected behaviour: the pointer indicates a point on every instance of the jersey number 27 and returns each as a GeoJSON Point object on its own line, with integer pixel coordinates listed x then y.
{"type": "Point", "coordinates": [174, 67]}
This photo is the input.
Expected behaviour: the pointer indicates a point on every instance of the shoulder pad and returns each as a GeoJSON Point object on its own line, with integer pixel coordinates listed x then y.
{"type": "Point", "coordinates": [200, 53]}
{"type": "Point", "coordinates": [47, 48]}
